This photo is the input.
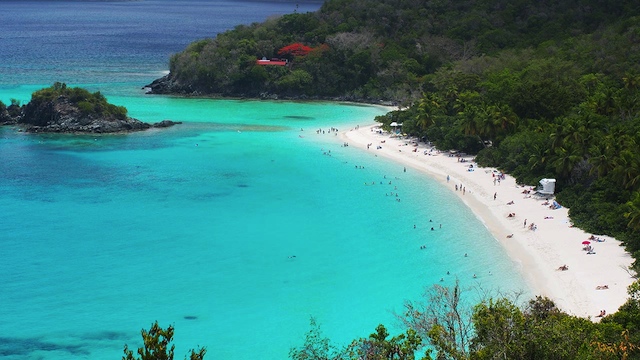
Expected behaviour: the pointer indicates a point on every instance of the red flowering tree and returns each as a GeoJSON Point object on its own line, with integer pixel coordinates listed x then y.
{"type": "Point", "coordinates": [295, 49]}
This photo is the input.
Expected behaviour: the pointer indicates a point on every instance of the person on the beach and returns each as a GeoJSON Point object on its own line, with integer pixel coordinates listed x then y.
{"type": "Point", "coordinates": [448, 178]}
{"type": "Point", "coordinates": [495, 195]}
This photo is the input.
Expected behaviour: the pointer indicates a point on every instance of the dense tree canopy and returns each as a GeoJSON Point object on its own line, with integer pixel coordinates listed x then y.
{"type": "Point", "coordinates": [385, 49]}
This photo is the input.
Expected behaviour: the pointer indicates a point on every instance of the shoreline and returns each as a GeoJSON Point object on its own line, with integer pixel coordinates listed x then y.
{"type": "Point", "coordinates": [539, 252]}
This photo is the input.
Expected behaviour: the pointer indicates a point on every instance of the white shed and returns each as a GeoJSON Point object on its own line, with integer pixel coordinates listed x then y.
{"type": "Point", "coordinates": [548, 186]}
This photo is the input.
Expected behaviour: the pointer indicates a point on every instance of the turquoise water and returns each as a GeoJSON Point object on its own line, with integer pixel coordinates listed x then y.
{"type": "Point", "coordinates": [235, 226]}
{"type": "Point", "coordinates": [104, 235]}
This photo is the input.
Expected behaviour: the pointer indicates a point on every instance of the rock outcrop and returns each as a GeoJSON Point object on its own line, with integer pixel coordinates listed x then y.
{"type": "Point", "coordinates": [166, 123]}
{"type": "Point", "coordinates": [167, 85]}
{"type": "Point", "coordinates": [63, 116]}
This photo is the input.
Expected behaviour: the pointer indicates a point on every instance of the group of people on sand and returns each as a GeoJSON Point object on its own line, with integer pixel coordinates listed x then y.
{"type": "Point", "coordinates": [461, 188]}
{"type": "Point", "coordinates": [331, 130]}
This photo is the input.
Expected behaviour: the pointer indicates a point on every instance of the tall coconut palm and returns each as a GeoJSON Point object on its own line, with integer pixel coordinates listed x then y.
{"type": "Point", "coordinates": [428, 109]}
{"type": "Point", "coordinates": [538, 158]}
{"type": "Point", "coordinates": [504, 121]}
{"type": "Point", "coordinates": [485, 120]}
{"type": "Point", "coordinates": [467, 111]}
{"type": "Point", "coordinates": [626, 170]}
{"type": "Point", "coordinates": [633, 213]}
{"type": "Point", "coordinates": [601, 157]}
{"type": "Point", "coordinates": [566, 158]}
{"type": "Point", "coordinates": [558, 135]}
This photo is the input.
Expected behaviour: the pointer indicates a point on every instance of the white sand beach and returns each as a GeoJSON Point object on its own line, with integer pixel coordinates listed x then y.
{"type": "Point", "coordinates": [541, 251]}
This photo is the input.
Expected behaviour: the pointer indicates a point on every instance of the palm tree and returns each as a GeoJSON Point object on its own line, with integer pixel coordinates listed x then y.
{"type": "Point", "coordinates": [466, 108]}
{"type": "Point", "coordinates": [428, 110]}
{"type": "Point", "coordinates": [503, 121]}
{"type": "Point", "coordinates": [627, 168]}
{"type": "Point", "coordinates": [538, 157]}
{"type": "Point", "coordinates": [600, 159]}
{"type": "Point", "coordinates": [605, 102]}
{"type": "Point", "coordinates": [485, 121]}
{"type": "Point", "coordinates": [634, 211]}
{"type": "Point", "coordinates": [558, 135]}
{"type": "Point", "coordinates": [567, 157]}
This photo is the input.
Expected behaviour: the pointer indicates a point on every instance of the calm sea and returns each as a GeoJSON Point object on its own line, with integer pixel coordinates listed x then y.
{"type": "Point", "coordinates": [236, 226]}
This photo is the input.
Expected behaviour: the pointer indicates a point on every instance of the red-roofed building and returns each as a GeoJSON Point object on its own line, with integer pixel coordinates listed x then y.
{"type": "Point", "coordinates": [272, 62]}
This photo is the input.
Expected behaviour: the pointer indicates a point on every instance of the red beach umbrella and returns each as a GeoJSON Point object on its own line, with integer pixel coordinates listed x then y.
{"type": "Point", "coordinates": [586, 242]}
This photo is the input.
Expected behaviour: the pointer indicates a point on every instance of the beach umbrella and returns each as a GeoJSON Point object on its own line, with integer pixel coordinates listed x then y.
{"type": "Point", "coordinates": [395, 125]}
{"type": "Point", "coordinates": [586, 242]}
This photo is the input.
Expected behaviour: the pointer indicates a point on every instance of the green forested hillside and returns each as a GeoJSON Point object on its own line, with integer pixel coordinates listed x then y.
{"type": "Point", "coordinates": [371, 50]}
